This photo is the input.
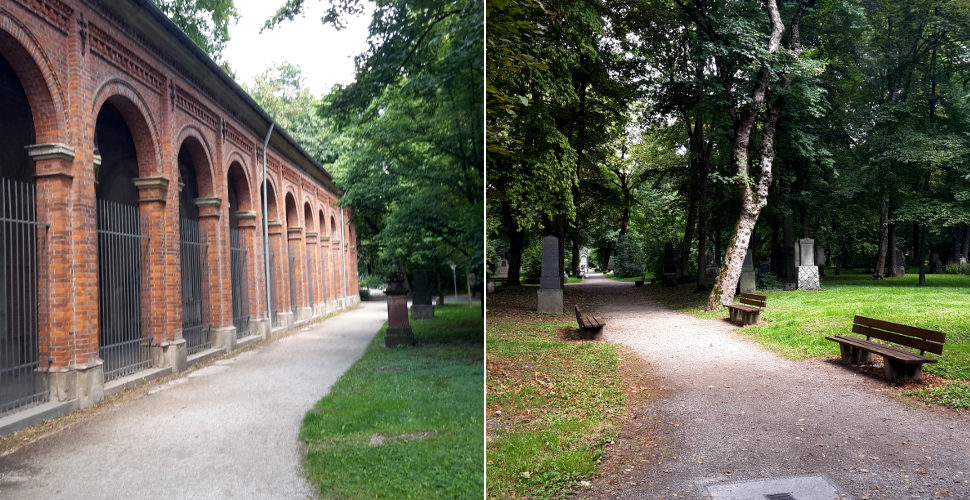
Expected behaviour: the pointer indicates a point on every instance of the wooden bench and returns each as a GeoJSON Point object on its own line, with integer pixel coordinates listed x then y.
{"type": "Point", "coordinates": [588, 324]}
{"type": "Point", "coordinates": [748, 312]}
{"type": "Point", "coordinates": [900, 364]}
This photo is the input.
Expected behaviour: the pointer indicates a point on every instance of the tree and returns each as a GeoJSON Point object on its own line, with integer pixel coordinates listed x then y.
{"type": "Point", "coordinates": [206, 22]}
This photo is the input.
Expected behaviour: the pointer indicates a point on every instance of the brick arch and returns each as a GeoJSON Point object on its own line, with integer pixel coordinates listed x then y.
{"type": "Point", "coordinates": [137, 117]}
{"type": "Point", "coordinates": [40, 83]}
{"type": "Point", "coordinates": [308, 217]}
{"type": "Point", "coordinates": [292, 214]}
{"type": "Point", "coordinates": [321, 221]}
{"type": "Point", "coordinates": [236, 177]}
{"type": "Point", "coordinates": [198, 149]}
{"type": "Point", "coordinates": [272, 202]}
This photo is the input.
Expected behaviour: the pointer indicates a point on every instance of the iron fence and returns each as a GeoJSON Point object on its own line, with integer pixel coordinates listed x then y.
{"type": "Point", "coordinates": [196, 326]}
{"type": "Point", "coordinates": [292, 258]}
{"type": "Point", "coordinates": [273, 297]}
{"type": "Point", "coordinates": [240, 292]}
{"type": "Point", "coordinates": [24, 349]}
{"type": "Point", "coordinates": [121, 247]}
{"type": "Point", "coordinates": [309, 276]}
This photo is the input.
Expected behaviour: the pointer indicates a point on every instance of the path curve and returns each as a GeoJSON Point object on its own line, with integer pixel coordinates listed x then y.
{"type": "Point", "coordinates": [227, 430]}
{"type": "Point", "coordinates": [731, 407]}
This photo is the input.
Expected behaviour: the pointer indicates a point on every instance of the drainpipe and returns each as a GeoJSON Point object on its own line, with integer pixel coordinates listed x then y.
{"type": "Point", "coordinates": [343, 252]}
{"type": "Point", "coordinates": [266, 228]}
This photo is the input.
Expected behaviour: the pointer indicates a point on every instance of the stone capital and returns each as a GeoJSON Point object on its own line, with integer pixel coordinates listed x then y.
{"type": "Point", "coordinates": [50, 151]}
{"type": "Point", "coordinates": [245, 214]}
{"type": "Point", "coordinates": [294, 230]}
{"type": "Point", "coordinates": [142, 183]}
{"type": "Point", "coordinates": [208, 202]}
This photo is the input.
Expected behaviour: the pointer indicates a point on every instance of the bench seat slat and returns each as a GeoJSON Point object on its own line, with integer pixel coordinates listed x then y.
{"type": "Point", "coordinates": [901, 355]}
{"type": "Point", "coordinates": [742, 307]}
{"type": "Point", "coordinates": [915, 343]}
{"type": "Point", "coordinates": [912, 331]}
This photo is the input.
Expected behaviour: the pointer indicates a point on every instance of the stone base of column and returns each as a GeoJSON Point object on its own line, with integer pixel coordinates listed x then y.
{"type": "Point", "coordinates": [224, 338]}
{"type": "Point", "coordinates": [808, 278]}
{"type": "Point", "coordinates": [284, 319]}
{"type": "Point", "coordinates": [747, 282]}
{"type": "Point", "coordinates": [170, 354]}
{"type": "Point", "coordinates": [304, 313]}
{"type": "Point", "coordinates": [85, 383]}
{"type": "Point", "coordinates": [549, 301]}
{"type": "Point", "coordinates": [259, 327]}
{"type": "Point", "coordinates": [398, 336]}
{"type": "Point", "coordinates": [422, 311]}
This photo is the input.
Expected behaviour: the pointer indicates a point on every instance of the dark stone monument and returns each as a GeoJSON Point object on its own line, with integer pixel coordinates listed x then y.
{"type": "Point", "coordinates": [398, 328]}
{"type": "Point", "coordinates": [549, 298]}
{"type": "Point", "coordinates": [764, 267]}
{"type": "Point", "coordinates": [820, 260]}
{"type": "Point", "coordinates": [936, 266]}
{"type": "Point", "coordinates": [747, 281]}
{"type": "Point", "coordinates": [421, 307]}
{"type": "Point", "coordinates": [670, 266]}
{"type": "Point", "coordinates": [900, 270]}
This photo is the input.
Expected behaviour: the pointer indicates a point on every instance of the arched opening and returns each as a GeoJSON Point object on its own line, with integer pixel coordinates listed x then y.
{"type": "Point", "coordinates": [196, 322]}
{"type": "Point", "coordinates": [23, 353]}
{"type": "Point", "coordinates": [272, 217]}
{"type": "Point", "coordinates": [123, 344]}
{"type": "Point", "coordinates": [238, 194]}
{"type": "Point", "coordinates": [292, 222]}
{"type": "Point", "coordinates": [321, 220]}
{"type": "Point", "coordinates": [308, 221]}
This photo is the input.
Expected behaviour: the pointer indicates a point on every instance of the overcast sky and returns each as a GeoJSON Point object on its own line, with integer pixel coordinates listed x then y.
{"type": "Point", "coordinates": [325, 55]}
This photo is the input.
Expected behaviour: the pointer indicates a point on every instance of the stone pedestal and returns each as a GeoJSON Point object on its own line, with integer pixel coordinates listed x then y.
{"type": "Point", "coordinates": [398, 328]}
{"type": "Point", "coordinates": [304, 313]}
{"type": "Point", "coordinates": [808, 278]}
{"type": "Point", "coordinates": [224, 338]}
{"type": "Point", "coordinates": [85, 383]}
{"type": "Point", "coordinates": [549, 301]}
{"type": "Point", "coordinates": [422, 311]}
{"type": "Point", "coordinates": [173, 354]}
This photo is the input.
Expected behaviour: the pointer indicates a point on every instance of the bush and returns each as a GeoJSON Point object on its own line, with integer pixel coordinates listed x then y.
{"type": "Point", "coordinates": [767, 280]}
{"type": "Point", "coordinates": [957, 268]}
{"type": "Point", "coordinates": [627, 262]}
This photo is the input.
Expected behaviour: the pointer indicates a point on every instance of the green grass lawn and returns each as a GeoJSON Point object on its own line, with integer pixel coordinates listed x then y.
{"type": "Point", "coordinates": [552, 407]}
{"type": "Point", "coordinates": [796, 322]}
{"type": "Point", "coordinates": [423, 401]}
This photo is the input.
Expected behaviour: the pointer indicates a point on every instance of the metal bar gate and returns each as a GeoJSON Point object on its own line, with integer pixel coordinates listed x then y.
{"type": "Point", "coordinates": [24, 350]}
{"type": "Point", "coordinates": [309, 275]}
{"type": "Point", "coordinates": [240, 292]}
{"type": "Point", "coordinates": [323, 276]}
{"type": "Point", "coordinates": [196, 327]}
{"type": "Point", "coordinates": [123, 344]}
{"type": "Point", "coordinates": [273, 297]}
{"type": "Point", "coordinates": [292, 257]}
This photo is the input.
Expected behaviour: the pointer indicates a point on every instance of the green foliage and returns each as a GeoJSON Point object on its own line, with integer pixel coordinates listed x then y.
{"type": "Point", "coordinates": [425, 401]}
{"type": "Point", "coordinates": [953, 395]}
{"type": "Point", "coordinates": [205, 21]}
{"type": "Point", "coordinates": [957, 268]}
{"type": "Point", "coordinates": [628, 258]}
{"type": "Point", "coordinates": [767, 280]}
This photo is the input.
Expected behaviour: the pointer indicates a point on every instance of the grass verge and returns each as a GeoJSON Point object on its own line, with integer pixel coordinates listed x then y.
{"type": "Point", "coordinates": [552, 406]}
{"type": "Point", "coordinates": [405, 422]}
{"type": "Point", "coordinates": [796, 322]}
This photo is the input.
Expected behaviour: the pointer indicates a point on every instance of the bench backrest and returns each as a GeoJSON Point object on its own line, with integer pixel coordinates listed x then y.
{"type": "Point", "coordinates": [909, 336]}
{"type": "Point", "coordinates": [750, 299]}
{"type": "Point", "coordinates": [579, 315]}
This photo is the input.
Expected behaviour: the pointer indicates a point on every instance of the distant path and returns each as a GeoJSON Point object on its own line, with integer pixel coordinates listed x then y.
{"type": "Point", "coordinates": [228, 430]}
{"type": "Point", "coordinates": [729, 406]}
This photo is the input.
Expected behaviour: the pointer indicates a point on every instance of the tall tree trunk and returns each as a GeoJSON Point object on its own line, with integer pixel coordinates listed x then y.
{"type": "Point", "coordinates": [516, 239]}
{"type": "Point", "coordinates": [688, 232]}
{"type": "Point", "coordinates": [957, 239]}
{"type": "Point", "coordinates": [891, 250]}
{"type": "Point", "coordinates": [966, 241]}
{"type": "Point", "coordinates": [574, 263]}
{"type": "Point", "coordinates": [880, 268]}
{"type": "Point", "coordinates": [917, 241]}
{"type": "Point", "coordinates": [788, 247]}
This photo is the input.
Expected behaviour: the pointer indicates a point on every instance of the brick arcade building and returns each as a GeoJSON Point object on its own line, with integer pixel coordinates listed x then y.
{"type": "Point", "coordinates": [131, 207]}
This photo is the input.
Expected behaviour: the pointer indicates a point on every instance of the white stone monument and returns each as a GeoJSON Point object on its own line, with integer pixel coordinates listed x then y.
{"type": "Point", "coordinates": [807, 270]}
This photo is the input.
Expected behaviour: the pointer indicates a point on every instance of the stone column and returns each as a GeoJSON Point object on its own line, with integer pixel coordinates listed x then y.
{"type": "Point", "coordinates": [161, 303]}
{"type": "Point", "coordinates": [807, 270]}
{"type": "Point", "coordinates": [327, 270]}
{"type": "Point", "coordinates": [398, 328]}
{"type": "Point", "coordinates": [279, 275]}
{"type": "Point", "coordinates": [295, 238]}
{"type": "Point", "coordinates": [252, 273]}
{"type": "Point", "coordinates": [549, 299]}
{"type": "Point", "coordinates": [314, 271]}
{"type": "Point", "coordinates": [219, 280]}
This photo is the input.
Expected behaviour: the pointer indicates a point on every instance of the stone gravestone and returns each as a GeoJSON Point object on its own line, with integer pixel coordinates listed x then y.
{"type": "Point", "coordinates": [747, 281]}
{"type": "Point", "coordinates": [764, 267]}
{"type": "Point", "coordinates": [936, 266]}
{"type": "Point", "coordinates": [807, 270]}
{"type": "Point", "coordinates": [710, 265]}
{"type": "Point", "coordinates": [670, 266]}
{"type": "Point", "coordinates": [549, 299]}
{"type": "Point", "coordinates": [421, 307]}
{"type": "Point", "coordinates": [900, 270]}
{"type": "Point", "coordinates": [820, 260]}
{"type": "Point", "coordinates": [398, 327]}
{"type": "Point", "coordinates": [609, 265]}
{"type": "Point", "coordinates": [502, 272]}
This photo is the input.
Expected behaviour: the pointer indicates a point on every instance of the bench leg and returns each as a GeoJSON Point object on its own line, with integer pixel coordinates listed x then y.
{"type": "Point", "coordinates": [900, 372]}
{"type": "Point", "coordinates": [855, 356]}
{"type": "Point", "coordinates": [752, 317]}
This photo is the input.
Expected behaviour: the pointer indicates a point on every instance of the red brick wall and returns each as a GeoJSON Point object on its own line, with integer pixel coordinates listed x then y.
{"type": "Point", "coordinates": [71, 59]}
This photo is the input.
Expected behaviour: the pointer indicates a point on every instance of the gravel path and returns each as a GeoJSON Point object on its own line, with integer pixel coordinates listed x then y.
{"type": "Point", "coordinates": [227, 430]}
{"type": "Point", "coordinates": [730, 410]}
